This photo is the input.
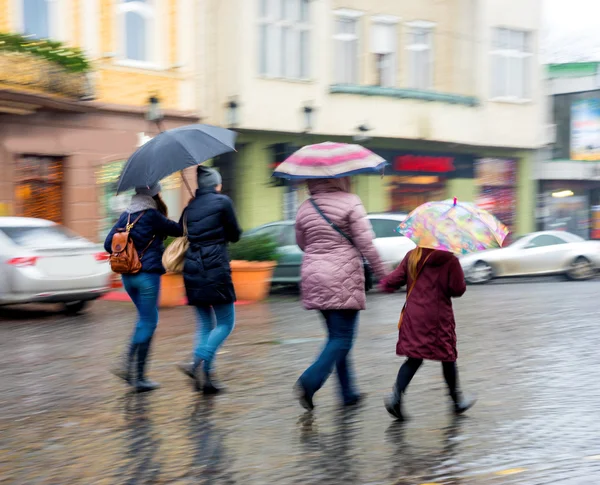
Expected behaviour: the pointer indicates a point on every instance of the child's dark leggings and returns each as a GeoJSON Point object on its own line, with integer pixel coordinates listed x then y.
{"type": "Point", "coordinates": [411, 366]}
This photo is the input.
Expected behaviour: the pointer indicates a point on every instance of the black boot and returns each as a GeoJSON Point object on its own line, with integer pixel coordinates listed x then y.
{"type": "Point", "coordinates": [124, 369]}
{"type": "Point", "coordinates": [211, 386]}
{"type": "Point", "coordinates": [190, 369]}
{"type": "Point", "coordinates": [462, 404]}
{"type": "Point", "coordinates": [393, 405]}
{"type": "Point", "coordinates": [142, 384]}
{"type": "Point", "coordinates": [306, 400]}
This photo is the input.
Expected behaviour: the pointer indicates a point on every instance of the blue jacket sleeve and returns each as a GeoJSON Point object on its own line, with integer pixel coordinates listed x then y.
{"type": "Point", "coordinates": [233, 232]}
{"type": "Point", "coordinates": [108, 241]}
{"type": "Point", "coordinates": [166, 227]}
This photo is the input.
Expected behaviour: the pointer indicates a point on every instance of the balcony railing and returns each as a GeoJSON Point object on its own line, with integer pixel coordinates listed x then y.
{"type": "Point", "coordinates": [27, 72]}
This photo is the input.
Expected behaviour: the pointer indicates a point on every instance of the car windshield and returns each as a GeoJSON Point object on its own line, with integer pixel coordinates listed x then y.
{"type": "Point", "coordinates": [46, 236]}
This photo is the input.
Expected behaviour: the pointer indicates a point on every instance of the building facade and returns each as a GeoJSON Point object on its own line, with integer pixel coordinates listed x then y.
{"type": "Point", "coordinates": [569, 176]}
{"type": "Point", "coordinates": [67, 128]}
{"type": "Point", "coordinates": [450, 93]}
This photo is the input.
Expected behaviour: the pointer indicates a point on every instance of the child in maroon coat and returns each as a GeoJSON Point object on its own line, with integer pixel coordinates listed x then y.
{"type": "Point", "coordinates": [427, 327]}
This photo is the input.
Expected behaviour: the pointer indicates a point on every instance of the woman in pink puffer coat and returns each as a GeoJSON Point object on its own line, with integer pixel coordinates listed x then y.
{"type": "Point", "coordinates": [333, 280]}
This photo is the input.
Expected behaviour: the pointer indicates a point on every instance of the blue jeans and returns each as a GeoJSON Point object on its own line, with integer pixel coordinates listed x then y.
{"type": "Point", "coordinates": [341, 327]}
{"type": "Point", "coordinates": [143, 289]}
{"type": "Point", "coordinates": [215, 323]}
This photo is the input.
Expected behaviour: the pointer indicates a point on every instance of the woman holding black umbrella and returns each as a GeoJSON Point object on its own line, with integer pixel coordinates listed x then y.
{"type": "Point", "coordinates": [148, 224]}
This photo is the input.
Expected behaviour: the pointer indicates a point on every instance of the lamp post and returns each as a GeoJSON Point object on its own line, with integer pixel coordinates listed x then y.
{"type": "Point", "coordinates": [362, 133]}
{"type": "Point", "coordinates": [308, 111]}
{"type": "Point", "coordinates": [232, 112]}
{"type": "Point", "coordinates": [153, 111]}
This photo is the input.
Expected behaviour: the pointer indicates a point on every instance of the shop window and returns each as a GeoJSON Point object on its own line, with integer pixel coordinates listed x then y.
{"type": "Point", "coordinates": [496, 181]}
{"type": "Point", "coordinates": [39, 188]}
{"type": "Point", "coordinates": [112, 205]}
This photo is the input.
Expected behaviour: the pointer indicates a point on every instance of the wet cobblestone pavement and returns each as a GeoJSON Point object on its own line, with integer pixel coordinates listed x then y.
{"type": "Point", "coordinates": [529, 350]}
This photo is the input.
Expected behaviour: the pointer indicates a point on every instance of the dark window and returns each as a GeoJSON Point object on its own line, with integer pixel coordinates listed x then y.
{"type": "Point", "coordinates": [545, 240]}
{"type": "Point", "coordinates": [288, 236]}
{"type": "Point", "coordinates": [385, 227]}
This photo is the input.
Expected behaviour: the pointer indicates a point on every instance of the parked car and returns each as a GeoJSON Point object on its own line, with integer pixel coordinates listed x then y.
{"type": "Point", "coordinates": [392, 247]}
{"type": "Point", "coordinates": [43, 262]}
{"type": "Point", "coordinates": [537, 254]}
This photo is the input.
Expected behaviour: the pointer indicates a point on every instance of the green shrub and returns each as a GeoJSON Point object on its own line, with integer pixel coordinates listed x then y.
{"type": "Point", "coordinates": [254, 248]}
{"type": "Point", "coordinates": [71, 59]}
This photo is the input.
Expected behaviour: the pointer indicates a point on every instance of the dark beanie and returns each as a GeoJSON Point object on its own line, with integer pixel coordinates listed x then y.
{"type": "Point", "coordinates": [208, 178]}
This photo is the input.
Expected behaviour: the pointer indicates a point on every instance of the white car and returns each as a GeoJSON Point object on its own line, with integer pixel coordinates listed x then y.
{"type": "Point", "coordinates": [391, 246]}
{"type": "Point", "coordinates": [537, 254]}
{"type": "Point", "coordinates": [43, 262]}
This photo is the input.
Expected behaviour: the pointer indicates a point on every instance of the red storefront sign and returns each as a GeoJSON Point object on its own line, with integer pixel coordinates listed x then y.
{"type": "Point", "coordinates": [423, 163]}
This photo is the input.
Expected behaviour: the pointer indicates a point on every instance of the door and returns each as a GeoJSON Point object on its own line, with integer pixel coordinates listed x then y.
{"type": "Point", "coordinates": [543, 254]}
{"type": "Point", "coordinates": [39, 188]}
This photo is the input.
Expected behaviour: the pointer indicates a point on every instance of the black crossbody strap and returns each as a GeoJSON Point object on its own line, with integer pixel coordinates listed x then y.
{"type": "Point", "coordinates": [331, 223]}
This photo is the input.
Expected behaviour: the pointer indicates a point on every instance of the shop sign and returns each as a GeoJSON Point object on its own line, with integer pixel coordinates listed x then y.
{"type": "Point", "coordinates": [585, 129]}
{"type": "Point", "coordinates": [423, 163]}
{"type": "Point", "coordinates": [447, 165]}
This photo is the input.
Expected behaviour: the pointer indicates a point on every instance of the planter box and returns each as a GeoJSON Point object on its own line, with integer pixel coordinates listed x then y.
{"type": "Point", "coordinates": [172, 290]}
{"type": "Point", "coordinates": [252, 279]}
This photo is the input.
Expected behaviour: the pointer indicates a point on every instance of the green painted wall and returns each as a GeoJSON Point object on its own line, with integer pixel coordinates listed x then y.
{"type": "Point", "coordinates": [373, 192]}
{"type": "Point", "coordinates": [257, 202]}
{"type": "Point", "coordinates": [526, 194]}
{"type": "Point", "coordinates": [463, 189]}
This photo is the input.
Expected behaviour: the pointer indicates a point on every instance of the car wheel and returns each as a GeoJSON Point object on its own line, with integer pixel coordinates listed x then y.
{"type": "Point", "coordinates": [581, 269]}
{"type": "Point", "coordinates": [480, 273]}
{"type": "Point", "coordinates": [75, 307]}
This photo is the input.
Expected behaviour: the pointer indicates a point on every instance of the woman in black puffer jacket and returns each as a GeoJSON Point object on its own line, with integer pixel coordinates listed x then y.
{"type": "Point", "coordinates": [151, 227]}
{"type": "Point", "coordinates": [211, 224]}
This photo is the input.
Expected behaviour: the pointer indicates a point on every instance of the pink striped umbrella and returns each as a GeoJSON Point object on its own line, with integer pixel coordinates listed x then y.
{"type": "Point", "coordinates": [329, 160]}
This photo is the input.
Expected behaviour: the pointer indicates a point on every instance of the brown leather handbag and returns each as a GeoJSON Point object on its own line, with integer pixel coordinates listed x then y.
{"type": "Point", "coordinates": [124, 258]}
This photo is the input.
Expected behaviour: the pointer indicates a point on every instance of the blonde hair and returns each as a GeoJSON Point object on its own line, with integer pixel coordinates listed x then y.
{"type": "Point", "coordinates": [413, 262]}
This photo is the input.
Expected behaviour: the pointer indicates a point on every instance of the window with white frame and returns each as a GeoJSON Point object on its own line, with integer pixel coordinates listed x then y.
{"type": "Point", "coordinates": [420, 54]}
{"type": "Point", "coordinates": [284, 38]}
{"type": "Point", "coordinates": [511, 63]}
{"type": "Point", "coordinates": [383, 46]}
{"type": "Point", "coordinates": [137, 19]}
{"type": "Point", "coordinates": [36, 18]}
{"type": "Point", "coordinates": [346, 39]}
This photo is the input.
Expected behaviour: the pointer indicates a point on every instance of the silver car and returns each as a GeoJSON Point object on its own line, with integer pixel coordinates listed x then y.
{"type": "Point", "coordinates": [43, 262]}
{"type": "Point", "coordinates": [537, 254]}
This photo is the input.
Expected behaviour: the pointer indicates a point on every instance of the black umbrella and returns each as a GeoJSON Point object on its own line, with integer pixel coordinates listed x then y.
{"type": "Point", "coordinates": [172, 151]}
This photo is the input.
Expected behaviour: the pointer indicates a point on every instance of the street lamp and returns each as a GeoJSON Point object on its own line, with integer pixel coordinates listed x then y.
{"type": "Point", "coordinates": [362, 135]}
{"type": "Point", "coordinates": [232, 112]}
{"type": "Point", "coordinates": [154, 113]}
{"type": "Point", "coordinates": [308, 111]}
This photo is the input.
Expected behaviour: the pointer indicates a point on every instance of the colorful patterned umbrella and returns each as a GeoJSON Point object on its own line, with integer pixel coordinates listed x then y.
{"type": "Point", "coordinates": [460, 228]}
{"type": "Point", "coordinates": [329, 160]}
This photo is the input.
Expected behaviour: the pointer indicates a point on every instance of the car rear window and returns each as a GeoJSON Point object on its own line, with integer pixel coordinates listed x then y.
{"type": "Point", "coordinates": [47, 236]}
{"type": "Point", "coordinates": [385, 227]}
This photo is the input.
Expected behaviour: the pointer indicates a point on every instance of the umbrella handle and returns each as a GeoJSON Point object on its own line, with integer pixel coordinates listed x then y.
{"type": "Point", "coordinates": [187, 185]}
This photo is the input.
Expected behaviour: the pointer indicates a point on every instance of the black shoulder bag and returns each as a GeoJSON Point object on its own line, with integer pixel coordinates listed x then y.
{"type": "Point", "coordinates": [366, 267]}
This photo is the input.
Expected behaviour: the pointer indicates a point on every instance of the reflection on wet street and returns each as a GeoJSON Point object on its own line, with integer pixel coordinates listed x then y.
{"type": "Point", "coordinates": [528, 350]}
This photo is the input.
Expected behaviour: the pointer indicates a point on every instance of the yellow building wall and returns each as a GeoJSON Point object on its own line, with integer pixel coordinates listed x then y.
{"type": "Point", "coordinates": [113, 83]}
